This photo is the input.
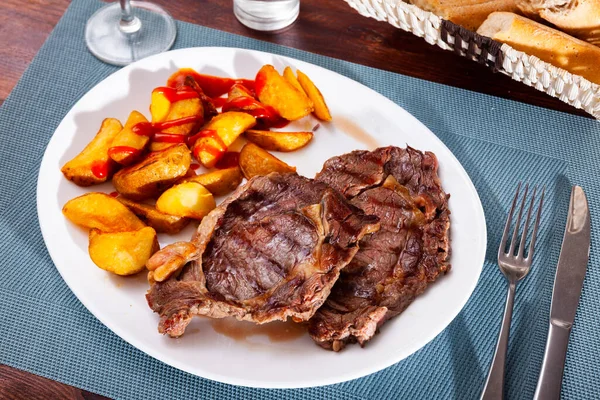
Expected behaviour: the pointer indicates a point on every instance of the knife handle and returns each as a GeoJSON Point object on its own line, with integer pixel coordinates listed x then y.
{"type": "Point", "coordinates": [551, 374]}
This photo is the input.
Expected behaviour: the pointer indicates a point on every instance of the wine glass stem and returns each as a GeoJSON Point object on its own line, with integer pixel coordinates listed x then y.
{"type": "Point", "coordinates": [129, 23]}
{"type": "Point", "coordinates": [126, 15]}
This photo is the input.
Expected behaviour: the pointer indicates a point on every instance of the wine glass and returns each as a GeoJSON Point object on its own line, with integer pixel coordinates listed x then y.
{"type": "Point", "coordinates": [124, 32]}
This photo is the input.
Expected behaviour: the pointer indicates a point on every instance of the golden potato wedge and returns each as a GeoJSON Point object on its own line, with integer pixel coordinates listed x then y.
{"type": "Point", "coordinates": [188, 199]}
{"type": "Point", "coordinates": [321, 109]}
{"type": "Point", "coordinates": [219, 182]}
{"type": "Point", "coordinates": [184, 109]}
{"type": "Point", "coordinates": [161, 222]}
{"type": "Point", "coordinates": [159, 170]}
{"type": "Point", "coordinates": [123, 253]}
{"type": "Point", "coordinates": [93, 165]}
{"type": "Point", "coordinates": [160, 105]}
{"type": "Point", "coordinates": [128, 146]}
{"type": "Point", "coordinates": [169, 104]}
{"type": "Point", "coordinates": [288, 74]}
{"type": "Point", "coordinates": [256, 161]}
{"type": "Point", "coordinates": [279, 141]}
{"type": "Point", "coordinates": [274, 90]}
{"type": "Point", "coordinates": [215, 137]}
{"type": "Point", "coordinates": [101, 211]}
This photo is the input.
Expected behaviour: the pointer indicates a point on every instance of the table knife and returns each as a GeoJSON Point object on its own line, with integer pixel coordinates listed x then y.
{"type": "Point", "coordinates": [568, 282]}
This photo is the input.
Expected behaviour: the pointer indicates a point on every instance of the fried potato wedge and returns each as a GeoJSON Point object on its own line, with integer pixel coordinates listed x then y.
{"type": "Point", "coordinates": [160, 105]}
{"type": "Point", "coordinates": [279, 141]}
{"type": "Point", "coordinates": [123, 253]}
{"type": "Point", "coordinates": [93, 165]}
{"type": "Point", "coordinates": [159, 170]}
{"type": "Point", "coordinates": [215, 137]}
{"type": "Point", "coordinates": [219, 182]}
{"type": "Point", "coordinates": [321, 109]}
{"type": "Point", "coordinates": [288, 74]}
{"type": "Point", "coordinates": [188, 199]}
{"type": "Point", "coordinates": [128, 146]}
{"type": "Point", "coordinates": [256, 161]}
{"type": "Point", "coordinates": [274, 90]}
{"type": "Point", "coordinates": [161, 222]}
{"type": "Point", "coordinates": [101, 211]}
{"type": "Point", "coordinates": [163, 110]}
{"type": "Point", "coordinates": [184, 109]}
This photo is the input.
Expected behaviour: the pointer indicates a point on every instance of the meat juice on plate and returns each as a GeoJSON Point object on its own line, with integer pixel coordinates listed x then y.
{"type": "Point", "coordinates": [275, 331]}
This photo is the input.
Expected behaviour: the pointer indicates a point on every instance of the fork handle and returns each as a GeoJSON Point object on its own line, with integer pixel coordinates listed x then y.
{"type": "Point", "coordinates": [494, 385]}
{"type": "Point", "coordinates": [551, 374]}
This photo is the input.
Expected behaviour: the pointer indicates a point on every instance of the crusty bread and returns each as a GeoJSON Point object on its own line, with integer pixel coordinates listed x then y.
{"type": "Point", "coordinates": [579, 18]}
{"type": "Point", "coordinates": [550, 45]}
{"type": "Point", "coordinates": [467, 13]}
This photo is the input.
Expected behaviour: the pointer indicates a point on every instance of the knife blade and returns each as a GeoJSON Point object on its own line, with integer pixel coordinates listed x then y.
{"type": "Point", "coordinates": [568, 282]}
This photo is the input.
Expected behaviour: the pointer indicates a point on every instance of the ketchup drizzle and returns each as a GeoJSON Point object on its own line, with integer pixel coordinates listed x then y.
{"type": "Point", "coordinates": [151, 128]}
{"type": "Point", "coordinates": [219, 101]}
{"type": "Point", "coordinates": [174, 95]}
{"type": "Point", "coordinates": [207, 145]}
{"type": "Point", "coordinates": [213, 86]}
{"type": "Point", "coordinates": [163, 137]}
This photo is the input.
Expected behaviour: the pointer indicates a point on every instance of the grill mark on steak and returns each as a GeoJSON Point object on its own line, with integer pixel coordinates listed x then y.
{"type": "Point", "coordinates": [271, 250]}
{"type": "Point", "coordinates": [397, 263]}
{"type": "Point", "coordinates": [238, 247]}
{"type": "Point", "coordinates": [360, 171]}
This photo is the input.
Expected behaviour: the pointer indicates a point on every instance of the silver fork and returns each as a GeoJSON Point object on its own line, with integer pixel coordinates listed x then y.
{"type": "Point", "coordinates": [514, 267]}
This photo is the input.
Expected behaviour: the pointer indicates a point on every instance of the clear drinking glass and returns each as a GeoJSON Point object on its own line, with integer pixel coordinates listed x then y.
{"type": "Point", "coordinates": [266, 15]}
{"type": "Point", "coordinates": [127, 31]}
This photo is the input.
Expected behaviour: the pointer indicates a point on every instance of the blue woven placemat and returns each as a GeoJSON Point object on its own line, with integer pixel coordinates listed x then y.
{"type": "Point", "coordinates": [47, 331]}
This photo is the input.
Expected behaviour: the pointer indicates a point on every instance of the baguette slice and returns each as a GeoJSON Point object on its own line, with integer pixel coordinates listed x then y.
{"type": "Point", "coordinates": [550, 45]}
{"type": "Point", "coordinates": [467, 13]}
{"type": "Point", "coordinates": [579, 18]}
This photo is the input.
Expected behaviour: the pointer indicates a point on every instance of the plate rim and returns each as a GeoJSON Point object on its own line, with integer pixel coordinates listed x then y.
{"type": "Point", "coordinates": [360, 371]}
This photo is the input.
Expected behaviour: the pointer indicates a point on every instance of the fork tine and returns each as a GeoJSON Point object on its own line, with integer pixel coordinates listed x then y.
{"type": "Point", "coordinates": [537, 224]}
{"type": "Point", "coordinates": [526, 228]}
{"type": "Point", "coordinates": [508, 221]}
{"type": "Point", "coordinates": [513, 242]}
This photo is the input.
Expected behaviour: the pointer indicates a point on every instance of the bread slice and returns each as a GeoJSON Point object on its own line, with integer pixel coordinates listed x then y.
{"type": "Point", "coordinates": [467, 13]}
{"type": "Point", "coordinates": [579, 18]}
{"type": "Point", "coordinates": [548, 44]}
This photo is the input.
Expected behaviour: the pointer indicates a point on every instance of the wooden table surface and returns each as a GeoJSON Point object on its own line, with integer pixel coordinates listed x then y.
{"type": "Point", "coordinates": [328, 27]}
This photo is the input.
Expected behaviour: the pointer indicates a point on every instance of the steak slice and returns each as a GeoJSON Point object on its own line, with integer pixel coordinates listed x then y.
{"type": "Point", "coordinates": [270, 251]}
{"type": "Point", "coordinates": [395, 264]}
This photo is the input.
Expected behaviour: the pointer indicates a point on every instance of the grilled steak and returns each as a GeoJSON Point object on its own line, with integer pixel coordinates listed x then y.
{"type": "Point", "coordinates": [272, 250]}
{"type": "Point", "coordinates": [395, 264]}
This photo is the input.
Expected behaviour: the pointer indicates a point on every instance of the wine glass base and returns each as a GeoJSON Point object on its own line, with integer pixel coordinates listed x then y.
{"type": "Point", "coordinates": [153, 31]}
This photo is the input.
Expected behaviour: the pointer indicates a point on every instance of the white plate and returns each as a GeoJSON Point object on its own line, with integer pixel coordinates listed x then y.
{"type": "Point", "coordinates": [256, 360]}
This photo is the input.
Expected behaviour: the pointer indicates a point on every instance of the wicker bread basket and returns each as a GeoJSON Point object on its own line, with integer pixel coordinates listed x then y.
{"type": "Point", "coordinates": [572, 89]}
